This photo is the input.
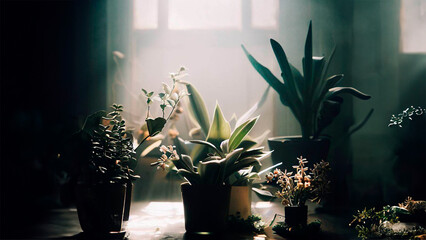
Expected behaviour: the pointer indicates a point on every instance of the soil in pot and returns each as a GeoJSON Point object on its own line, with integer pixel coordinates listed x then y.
{"type": "Point", "coordinates": [288, 149]}
{"type": "Point", "coordinates": [240, 202]}
{"type": "Point", "coordinates": [296, 215]}
{"type": "Point", "coordinates": [205, 208]}
{"type": "Point", "coordinates": [100, 207]}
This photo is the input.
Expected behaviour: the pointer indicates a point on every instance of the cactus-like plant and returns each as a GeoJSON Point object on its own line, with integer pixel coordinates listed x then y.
{"type": "Point", "coordinates": [312, 98]}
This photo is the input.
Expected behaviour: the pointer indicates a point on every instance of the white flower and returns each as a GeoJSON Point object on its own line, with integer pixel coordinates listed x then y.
{"type": "Point", "coordinates": [166, 88]}
{"type": "Point", "coordinates": [174, 97]}
{"type": "Point", "coordinates": [163, 149]}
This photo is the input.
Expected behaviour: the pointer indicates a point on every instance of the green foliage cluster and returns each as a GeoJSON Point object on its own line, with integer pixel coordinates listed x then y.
{"type": "Point", "coordinates": [370, 223]}
{"type": "Point", "coordinates": [219, 129]}
{"type": "Point", "coordinates": [112, 154]}
{"type": "Point", "coordinates": [226, 165]}
{"type": "Point", "coordinates": [298, 232]}
{"type": "Point", "coordinates": [312, 98]}
{"type": "Point", "coordinates": [252, 224]}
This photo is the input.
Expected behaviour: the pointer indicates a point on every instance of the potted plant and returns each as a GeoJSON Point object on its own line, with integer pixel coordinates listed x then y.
{"type": "Point", "coordinates": [312, 97]}
{"type": "Point", "coordinates": [104, 157]}
{"type": "Point", "coordinates": [216, 131]}
{"type": "Point", "coordinates": [298, 187]}
{"type": "Point", "coordinates": [207, 192]}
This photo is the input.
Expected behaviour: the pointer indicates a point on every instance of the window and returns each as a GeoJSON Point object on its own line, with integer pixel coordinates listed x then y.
{"type": "Point", "coordinates": [413, 26]}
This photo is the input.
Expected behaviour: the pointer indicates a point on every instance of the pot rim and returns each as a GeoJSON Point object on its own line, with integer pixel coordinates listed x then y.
{"type": "Point", "coordinates": [297, 138]}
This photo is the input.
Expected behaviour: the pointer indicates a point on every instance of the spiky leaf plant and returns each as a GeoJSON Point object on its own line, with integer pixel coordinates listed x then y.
{"type": "Point", "coordinates": [313, 98]}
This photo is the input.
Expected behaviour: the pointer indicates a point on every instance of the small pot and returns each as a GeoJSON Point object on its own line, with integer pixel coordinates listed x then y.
{"type": "Point", "coordinates": [240, 202]}
{"type": "Point", "coordinates": [205, 207]}
{"type": "Point", "coordinates": [288, 149]}
{"type": "Point", "coordinates": [296, 215]}
{"type": "Point", "coordinates": [100, 207]}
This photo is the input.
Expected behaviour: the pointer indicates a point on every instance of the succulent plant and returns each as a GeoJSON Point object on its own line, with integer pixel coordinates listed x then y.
{"type": "Point", "coordinates": [312, 98]}
{"type": "Point", "coordinates": [225, 165]}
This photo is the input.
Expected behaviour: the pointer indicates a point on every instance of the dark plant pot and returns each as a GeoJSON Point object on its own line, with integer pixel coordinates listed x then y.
{"type": "Point", "coordinates": [100, 207]}
{"type": "Point", "coordinates": [288, 149]}
{"type": "Point", "coordinates": [296, 215]}
{"type": "Point", "coordinates": [205, 208]}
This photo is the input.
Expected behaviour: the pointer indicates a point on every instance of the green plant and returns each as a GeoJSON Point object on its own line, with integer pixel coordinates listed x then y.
{"type": "Point", "coordinates": [312, 98]}
{"type": "Point", "coordinates": [371, 223]}
{"type": "Point", "coordinates": [298, 232]}
{"type": "Point", "coordinates": [304, 185]}
{"type": "Point", "coordinates": [219, 128]}
{"type": "Point", "coordinates": [252, 224]}
{"type": "Point", "coordinates": [226, 165]}
{"type": "Point", "coordinates": [112, 155]}
{"type": "Point", "coordinates": [407, 113]}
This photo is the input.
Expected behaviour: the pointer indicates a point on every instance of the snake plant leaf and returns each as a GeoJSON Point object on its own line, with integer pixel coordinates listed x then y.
{"type": "Point", "coordinates": [240, 132]}
{"type": "Point", "coordinates": [286, 70]}
{"type": "Point", "coordinates": [233, 121]}
{"type": "Point", "coordinates": [180, 164]}
{"type": "Point", "coordinates": [333, 81]}
{"type": "Point", "coordinates": [209, 172]}
{"type": "Point", "coordinates": [208, 144]}
{"type": "Point", "coordinates": [317, 67]}
{"type": "Point", "coordinates": [198, 108]}
{"type": "Point", "coordinates": [192, 178]}
{"type": "Point", "coordinates": [232, 157]}
{"type": "Point", "coordinates": [247, 143]}
{"type": "Point", "coordinates": [307, 62]}
{"type": "Point", "coordinates": [92, 122]}
{"type": "Point", "coordinates": [275, 83]}
{"type": "Point", "coordinates": [219, 129]}
{"type": "Point", "coordinates": [224, 146]}
{"type": "Point", "coordinates": [240, 164]}
{"type": "Point", "coordinates": [155, 125]}
{"type": "Point", "coordinates": [329, 110]}
{"type": "Point", "coordinates": [188, 163]}
{"type": "Point", "coordinates": [254, 108]}
{"type": "Point", "coordinates": [338, 90]}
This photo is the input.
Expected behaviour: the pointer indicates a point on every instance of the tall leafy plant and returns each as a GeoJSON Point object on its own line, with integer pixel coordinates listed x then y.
{"type": "Point", "coordinates": [226, 165]}
{"type": "Point", "coordinates": [312, 97]}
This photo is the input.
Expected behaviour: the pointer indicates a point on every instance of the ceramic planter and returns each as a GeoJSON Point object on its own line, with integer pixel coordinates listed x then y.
{"type": "Point", "coordinates": [240, 202]}
{"type": "Point", "coordinates": [288, 149]}
{"type": "Point", "coordinates": [296, 215]}
{"type": "Point", "coordinates": [100, 207]}
{"type": "Point", "coordinates": [205, 207]}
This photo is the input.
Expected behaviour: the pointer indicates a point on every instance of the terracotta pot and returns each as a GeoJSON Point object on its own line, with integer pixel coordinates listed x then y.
{"type": "Point", "coordinates": [240, 202]}
{"type": "Point", "coordinates": [288, 149]}
{"type": "Point", "coordinates": [100, 207]}
{"type": "Point", "coordinates": [205, 207]}
{"type": "Point", "coordinates": [296, 215]}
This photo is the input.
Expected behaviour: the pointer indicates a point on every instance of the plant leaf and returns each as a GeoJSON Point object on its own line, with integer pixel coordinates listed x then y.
{"type": "Point", "coordinates": [286, 70]}
{"type": "Point", "coordinates": [92, 122]}
{"type": "Point", "coordinates": [254, 108]}
{"type": "Point", "coordinates": [307, 62]}
{"type": "Point", "coordinates": [155, 126]}
{"type": "Point", "coordinates": [209, 172]}
{"type": "Point", "coordinates": [264, 72]}
{"type": "Point", "coordinates": [198, 108]}
{"type": "Point", "coordinates": [208, 144]}
{"type": "Point", "coordinates": [219, 129]}
{"type": "Point", "coordinates": [192, 178]}
{"type": "Point", "coordinates": [338, 90]}
{"type": "Point", "coordinates": [240, 132]}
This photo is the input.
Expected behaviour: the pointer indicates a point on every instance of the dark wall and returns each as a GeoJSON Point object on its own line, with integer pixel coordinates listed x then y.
{"type": "Point", "coordinates": [52, 75]}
